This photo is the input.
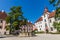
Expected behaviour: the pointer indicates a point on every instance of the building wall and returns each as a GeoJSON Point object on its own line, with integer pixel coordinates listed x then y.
{"type": "Point", "coordinates": [46, 23]}
{"type": "Point", "coordinates": [37, 26]}
{"type": "Point", "coordinates": [3, 25]}
{"type": "Point", "coordinates": [51, 20]}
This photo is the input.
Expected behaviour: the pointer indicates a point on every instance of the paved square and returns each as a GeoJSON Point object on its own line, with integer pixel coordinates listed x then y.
{"type": "Point", "coordinates": [38, 37]}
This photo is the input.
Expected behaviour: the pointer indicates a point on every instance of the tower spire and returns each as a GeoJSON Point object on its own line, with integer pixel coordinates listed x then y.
{"type": "Point", "coordinates": [45, 9]}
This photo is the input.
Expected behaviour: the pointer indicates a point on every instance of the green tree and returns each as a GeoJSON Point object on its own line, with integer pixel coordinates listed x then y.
{"type": "Point", "coordinates": [15, 18]}
{"type": "Point", "coordinates": [57, 26]}
{"type": "Point", "coordinates": [56, 3]}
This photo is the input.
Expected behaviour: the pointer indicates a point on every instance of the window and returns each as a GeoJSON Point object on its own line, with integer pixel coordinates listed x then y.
{"type": "Point", "coordinates": [0, 21]}
{"type": "Point", "coordinates": [40, 28]}
{"type": "Point", "coordinates": [45, 20]}
{"type": "Point", "coordinates": [45, 25]}
{"type": "Point", "coordinates": [41, 25]}
{"type": "Point", "coordinates": [0, 27]}
{"type": "Point", "coordinates": [51, 29]}
{"type": "Point", "coordinates": [50, 21]}
{"type": "Point", "coordinates": [44, 15]}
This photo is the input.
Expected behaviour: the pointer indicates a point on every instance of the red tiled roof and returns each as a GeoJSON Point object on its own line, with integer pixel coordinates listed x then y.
{"type": "Point", "coordinates": [30, 23]}
{"type": "Point", "coordinates": [27, 22]}
{"type": "Point", "coordinates": [40, 19]}
{"type": "Point", "coordinates": [52, 14]}
{"type": "Point", "coordinates": [3, 15]}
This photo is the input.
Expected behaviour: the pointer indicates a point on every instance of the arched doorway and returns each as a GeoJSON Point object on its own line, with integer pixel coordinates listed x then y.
{"type": "Point", "coordinates": [46, 29]}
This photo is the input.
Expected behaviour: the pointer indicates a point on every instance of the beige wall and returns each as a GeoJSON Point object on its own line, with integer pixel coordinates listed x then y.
{"type": "Point", "coordinates": [3, 25]}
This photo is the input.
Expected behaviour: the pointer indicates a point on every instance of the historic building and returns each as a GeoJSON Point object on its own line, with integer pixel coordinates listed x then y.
{"type": "Point", "coordinates": [3, 15]}
{"type": "Point", "coordinates": [45, 22]}
{"type": "Point", "coordinates": [26, 30]}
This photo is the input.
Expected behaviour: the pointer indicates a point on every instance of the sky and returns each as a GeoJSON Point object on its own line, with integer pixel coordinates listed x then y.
{"type": "Point", "coordinates": [32, 9]}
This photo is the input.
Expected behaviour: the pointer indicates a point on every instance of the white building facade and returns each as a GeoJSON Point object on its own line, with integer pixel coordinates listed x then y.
{"type": "Point", "coordinates": [45, 22]}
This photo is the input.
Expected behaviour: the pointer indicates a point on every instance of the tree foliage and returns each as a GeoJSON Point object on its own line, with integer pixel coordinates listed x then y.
{"type": "Point", "coordinates": [56, 3]}
{"type": "Point", "coordinates": [57, 25]}
{"type": "Point", "coordinates": [51, 1]}
{"type": "Point", "coordinates": [15, 18]}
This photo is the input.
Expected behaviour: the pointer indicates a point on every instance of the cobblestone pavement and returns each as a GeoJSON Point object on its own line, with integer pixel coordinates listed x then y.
{"type": "Point", "coordinates": [38, 37]}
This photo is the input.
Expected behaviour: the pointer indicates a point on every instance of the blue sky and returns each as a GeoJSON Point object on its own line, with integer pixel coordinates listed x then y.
{"type": "Point", "coordinates": [32, 9]}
